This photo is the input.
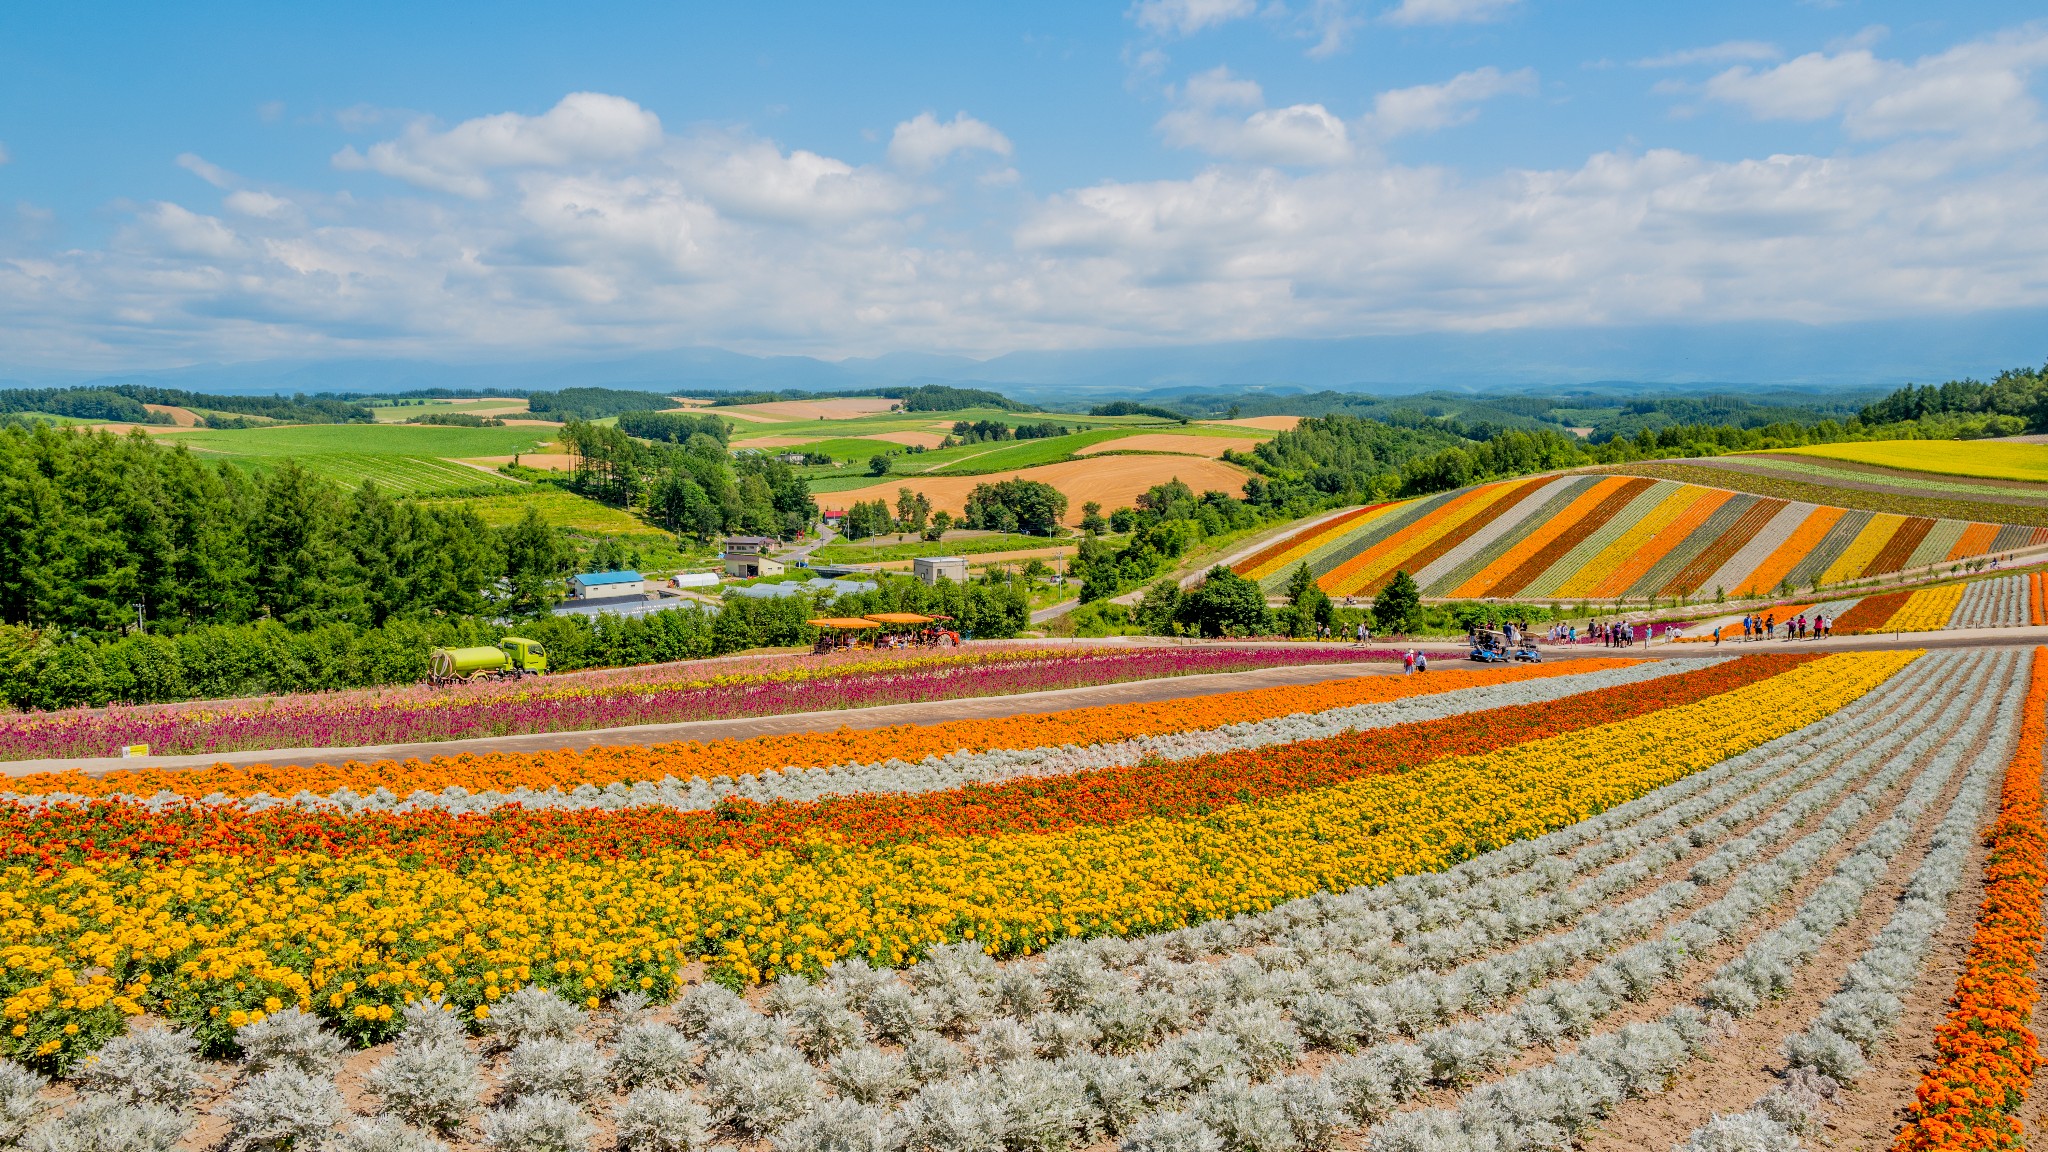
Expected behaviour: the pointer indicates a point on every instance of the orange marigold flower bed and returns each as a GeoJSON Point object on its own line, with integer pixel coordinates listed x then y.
{"type": "Point", "coordinates": [1985, 1053]}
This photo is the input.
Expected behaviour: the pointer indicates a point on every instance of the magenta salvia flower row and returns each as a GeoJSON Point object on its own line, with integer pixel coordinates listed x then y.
{"type": "Point", "coordinates": [356, 719]}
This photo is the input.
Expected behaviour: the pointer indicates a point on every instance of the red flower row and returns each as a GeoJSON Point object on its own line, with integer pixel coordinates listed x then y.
{"type": "Point", "coordinates": [66, 833]}
{"type": "Point", "coordinates": [1985, 1053]}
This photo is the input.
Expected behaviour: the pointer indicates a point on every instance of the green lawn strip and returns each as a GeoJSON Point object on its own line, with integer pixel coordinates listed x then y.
{"type": "Point", "coordinates": [368, 439]}
{"type": "Point", "coordinates": [1032, 453]}
{"type": "Point", "coordinates": [1814, 493]}
{"type": "Point", "coordinates": [864, 553]}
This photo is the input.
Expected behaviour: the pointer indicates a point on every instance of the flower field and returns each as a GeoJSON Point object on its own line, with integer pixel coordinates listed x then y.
{"type": "Point", "coordinates": [1477, 908]}
{"type": "Point", "coordinates": [1607, 536]}
{"type": "Point", "coordinates": [1999, 602]}
{"type": "Point", "coordinates": [619, 698]}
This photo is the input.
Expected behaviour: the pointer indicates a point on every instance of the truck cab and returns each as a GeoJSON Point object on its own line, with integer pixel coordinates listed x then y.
{"type": "Point", "coordinates": [526, 657]}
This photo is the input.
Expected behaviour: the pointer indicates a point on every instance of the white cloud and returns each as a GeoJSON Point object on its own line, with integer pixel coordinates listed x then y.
{"type": "Point", "coordinates": [923, 141]}
{"type": "Point", "coordinates": [1449, 11]}
{"type": "Point", "coordinates": [1208, 119]}
{"type": "Point", "coordinates": [1331, 23]}
{"type": "Point", "coordinates": [1428, 107]}
{"type": "Point", "coordinates": [182, 232]}
{"type": "Point", "coordinates": [211, 173]}
{"type": "Point", "coordinates": [262, 205]}
{"type": "Point", "coordinates": [1726, 52]}
{"type": "Point", "coordinates": [584, 128]}
{"type": "Point", "coordinates": [1976, 91]}
{"type": "Point", "coordinates": [1299, 229]}
{"type": "Point", "coordinates": [1187, 17]}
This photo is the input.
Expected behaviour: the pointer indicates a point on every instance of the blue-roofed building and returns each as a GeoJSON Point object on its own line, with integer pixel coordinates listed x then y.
{"type": "Point", "coordinates": [606, 585]}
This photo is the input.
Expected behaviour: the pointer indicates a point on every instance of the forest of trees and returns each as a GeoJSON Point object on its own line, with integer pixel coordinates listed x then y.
{"type": "Point", "coordinates": [692, 489]}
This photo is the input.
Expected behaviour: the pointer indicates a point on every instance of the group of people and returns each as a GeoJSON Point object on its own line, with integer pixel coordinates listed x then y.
{"type": "Point", "coordinates": [1613, 633]}
{"type": "Point", "coordinates": [1361, 634]}
{"type": "Point", "coordinates": [1414, 660]}
{"type": "Point", "coordinates": [1800, 627]}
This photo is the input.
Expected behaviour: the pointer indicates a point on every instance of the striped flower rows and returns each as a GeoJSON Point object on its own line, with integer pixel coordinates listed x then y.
{"type": "Point", "coordinates": [937, 773]}
{"type": "Point", "coordinates": [2000, 602]}
{"type": "Point", "coordinates": [209, 916]}
{"type": "Point", "coordinates": [1599, 537]}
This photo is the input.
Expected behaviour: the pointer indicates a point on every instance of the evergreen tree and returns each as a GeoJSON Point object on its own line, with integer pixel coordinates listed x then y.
{"type": "Point", "coordinates": [1398, 607]}
{"type": "Point", "coordinates": [536, 560]}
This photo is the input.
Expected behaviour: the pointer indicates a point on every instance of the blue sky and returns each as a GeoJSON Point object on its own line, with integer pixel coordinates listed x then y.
{"type": "Point", "coordinates": [220, 182]}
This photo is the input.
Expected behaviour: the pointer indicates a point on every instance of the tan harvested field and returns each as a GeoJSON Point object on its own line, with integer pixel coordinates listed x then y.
{"type": "Point", "coordinates": [749, 417]}
{"type": "Point", "coordinates": [183, 417]}
{"type": "Point", "coordinates": [545, 461]}
{"type": "Point", "coordinates": [843, 409]}
{"type": "Point", "coordinates": [691, 401]}
{"type": "Point", "coordinates": [912, 439]}
{"type": "Point", "coordinates": [781, 441]}
{"type": "Point", "coordinates": [1211, 446]}
{"type": "Point", "coordinates": [1269, 423]}
{"type": "Point", "coordinates": [1112, 481]}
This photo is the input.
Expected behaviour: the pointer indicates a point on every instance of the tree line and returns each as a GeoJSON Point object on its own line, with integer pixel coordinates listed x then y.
{"type": "Point", "coordinates": [692, 489]}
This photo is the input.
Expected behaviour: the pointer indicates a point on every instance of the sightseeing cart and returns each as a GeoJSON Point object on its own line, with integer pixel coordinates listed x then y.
{"type": "Point", "coordinates": [913, 630]}
{"type": "Point", "coordinates": [836, 633]}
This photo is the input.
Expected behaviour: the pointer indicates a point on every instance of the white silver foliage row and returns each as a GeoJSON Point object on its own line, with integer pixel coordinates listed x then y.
{"type": "Point", "coordinates": [290, 1039]}
{"type": "Point", "coordinates": [1547, 1106]}
{"type": "Point", "coordinates": [538, 1124]}
{"type": "Point", "coordinates": [661, 1120]}
{"type": "Point", "coordinates": [939, 773]}
{"type": "Point", "coordinates": [384, 1134]}
{"type": "Point", "coordinates": [1865, 1009]}
{"type": "Point", "coordinates": [431, 1082]}
{"type": "Point", "coordinates": [2000, 602]}
{"type": "Point", "coordinates": [20, 1103]}
{"type": "Point", "coordinates": [100, 1123]}
{"type": "Point", "coordinates": [281, 1110]}
{"type": "Point", "coordinates": [150, 1066]}
{"type": "Point", "coordinates": [531, 1013]}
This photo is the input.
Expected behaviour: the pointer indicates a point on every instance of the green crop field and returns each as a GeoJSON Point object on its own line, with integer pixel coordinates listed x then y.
{"type": "Point", "coordinates": [839, 448]}
{"type": "Point", "coordinates": [1027, 453]}
{"type": "Point", "coordinates": [411, 459]}
{"type": "Point", "coordinates": [370, 439]}
{"type": "Point", "coordinates": [559, 508]}
{"type": "Point", "coordinates": [865, 552]}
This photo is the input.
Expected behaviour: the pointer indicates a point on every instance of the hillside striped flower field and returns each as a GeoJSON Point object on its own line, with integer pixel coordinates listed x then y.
{"type": "Point", "coordinates": [1475, 909]}
{"type": "Point", "coordinates": [1608, 536]}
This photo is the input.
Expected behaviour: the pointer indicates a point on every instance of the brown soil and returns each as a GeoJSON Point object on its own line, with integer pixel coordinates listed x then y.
{"type": "Point", "coordinates": [1112, 481]}
{"type": "Point", "coordinates": [1269, 423]}
{"type": "Point", "coordinates": [1211, 446]}
{"type": "Point", "coordinates": [182, 417]}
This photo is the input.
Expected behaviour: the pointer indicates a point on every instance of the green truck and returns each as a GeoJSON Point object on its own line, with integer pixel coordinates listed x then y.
{"type": "Point", "coordinates": [515, 656]}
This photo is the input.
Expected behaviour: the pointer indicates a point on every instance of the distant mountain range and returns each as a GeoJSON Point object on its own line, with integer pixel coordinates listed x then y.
{"type": "Point", "coordinates": [1723, 357]}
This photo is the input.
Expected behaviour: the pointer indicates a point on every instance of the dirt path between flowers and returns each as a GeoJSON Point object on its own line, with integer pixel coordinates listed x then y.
{"type": "Point", "coordinates": [939, 711]}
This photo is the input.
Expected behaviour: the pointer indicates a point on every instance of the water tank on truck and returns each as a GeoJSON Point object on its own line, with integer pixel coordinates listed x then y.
{"type": "Point", "coordinates": [514, 656]}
